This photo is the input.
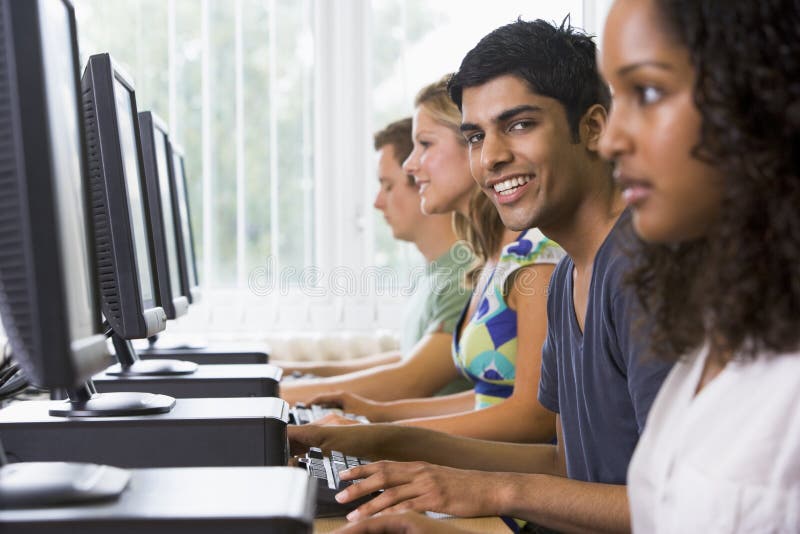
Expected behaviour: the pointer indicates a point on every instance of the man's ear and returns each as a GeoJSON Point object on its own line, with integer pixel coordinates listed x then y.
{"type": "Point", "coordinates": [593, 124]}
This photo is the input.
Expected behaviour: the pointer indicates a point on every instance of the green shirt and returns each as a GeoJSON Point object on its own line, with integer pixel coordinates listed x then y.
{"type": "Point", "coordinates": [439, 297]}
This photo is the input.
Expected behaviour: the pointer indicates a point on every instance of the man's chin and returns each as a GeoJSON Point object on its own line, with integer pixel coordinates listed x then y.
{"type": "Point", "coordinates": [517, 220]}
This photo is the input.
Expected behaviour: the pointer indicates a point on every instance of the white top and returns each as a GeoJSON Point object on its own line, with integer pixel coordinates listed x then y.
{"type": "Point", "coordinates": [725, 460]}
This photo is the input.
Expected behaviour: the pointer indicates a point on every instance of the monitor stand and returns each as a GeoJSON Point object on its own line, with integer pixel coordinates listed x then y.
{"type": "Point", "coordinates": [130, 364]}
{"type": "Point", "coordinates": [153, 340]}
{"type": "Point", "coordinates": [38, 484]}
{"type": "Point", "coordinates": [87, 402]}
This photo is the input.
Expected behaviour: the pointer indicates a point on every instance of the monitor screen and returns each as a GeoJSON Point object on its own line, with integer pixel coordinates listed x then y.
{"type": "Point", "coordinates": [48, 284]}
{"type": "Point", "coordinates": [183, 209]}
{"type": "Point", "coordinates": [170, 236]}
{"type": "Point", "coordinates": [65, 139]}
{"type": "Point", "coordinates": [133, 182]}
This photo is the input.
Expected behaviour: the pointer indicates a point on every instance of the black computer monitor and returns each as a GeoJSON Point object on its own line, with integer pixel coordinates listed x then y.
{"type": "Point", "coordinates": [50, 286]}
{"type": "Point", "coordinates": [129, 283]}
{"type": "Point", "coordinates": [47, 284]}
{"type": "Point", "coordinates": [47, 290]}
{"type": "Point", "coordinates": [180, 191]}
{"type": "Point", "coordinates": [157, 155]}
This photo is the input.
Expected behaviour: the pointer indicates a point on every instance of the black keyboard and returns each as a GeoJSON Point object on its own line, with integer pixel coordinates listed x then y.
{"type": "Point", "coordinates": [325, 469]}
{"type": "Point", "coordinates": [300, 414]}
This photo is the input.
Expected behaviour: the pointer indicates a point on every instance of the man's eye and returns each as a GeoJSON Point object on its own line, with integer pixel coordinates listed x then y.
{"type": "Point", "coordinates": [521, 125]}
{"type": "Point", "coordinates": [474, 138]}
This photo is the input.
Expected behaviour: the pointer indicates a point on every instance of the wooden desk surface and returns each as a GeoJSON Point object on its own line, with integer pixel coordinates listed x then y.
{"type": "Point", "coordinates": [486, 525]}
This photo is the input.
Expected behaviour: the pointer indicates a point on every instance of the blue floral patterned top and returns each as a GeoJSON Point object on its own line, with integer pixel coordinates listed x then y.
{"type": "Point", "coordinates": [486, 352]}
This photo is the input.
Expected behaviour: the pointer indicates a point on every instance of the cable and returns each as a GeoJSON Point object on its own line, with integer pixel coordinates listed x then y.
{"type": "Point", "coordinates": [7, 365]}
{"type": "Point", "coordinates": [7, 370]}
{"type": "Point", "coordinates": [6, 352]}
{"type": "Point", "coordinates": [15, 385]}
{"type": "Point", "coordinates": [13, 380]}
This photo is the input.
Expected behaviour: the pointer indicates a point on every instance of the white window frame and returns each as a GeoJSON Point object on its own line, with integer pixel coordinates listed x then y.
{"type": "Point", "coordinates": [342, 134]}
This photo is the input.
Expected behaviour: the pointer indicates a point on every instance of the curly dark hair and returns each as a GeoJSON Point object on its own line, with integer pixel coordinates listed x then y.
{"type": "Point", "coordinates": [739, 286]}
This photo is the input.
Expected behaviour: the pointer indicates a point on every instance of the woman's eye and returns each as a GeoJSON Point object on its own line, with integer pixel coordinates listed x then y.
{"type": "Point", "coordinates": [649, 94]}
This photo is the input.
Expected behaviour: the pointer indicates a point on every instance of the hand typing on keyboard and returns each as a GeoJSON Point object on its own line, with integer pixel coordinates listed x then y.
{"type": "Point", "coordinates": [300, 414]}
{"type": "Point", "coordinates": [326, 471]}
{"type": "Point", "coordinates": [352, 403]}
{"type": "Point", "coordinates": [422, 486]}
{"type": "Point", "coordinates": [336, 419]}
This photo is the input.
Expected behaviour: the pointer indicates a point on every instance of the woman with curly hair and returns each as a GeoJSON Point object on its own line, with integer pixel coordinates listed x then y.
{"type": "Point", "coordinates": [705, 133]}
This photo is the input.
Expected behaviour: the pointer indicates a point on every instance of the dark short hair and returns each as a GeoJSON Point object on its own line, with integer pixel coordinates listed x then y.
{"type": "Point", "coordinates": [555, 61]}
{"type": "Point", "coordinates": [398, 135]}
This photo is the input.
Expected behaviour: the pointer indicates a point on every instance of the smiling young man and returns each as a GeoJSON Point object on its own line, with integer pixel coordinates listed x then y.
{"type": "Point", "coordinates": [533, 109]}
{"type": "Point", "coordinates": [533, 131]}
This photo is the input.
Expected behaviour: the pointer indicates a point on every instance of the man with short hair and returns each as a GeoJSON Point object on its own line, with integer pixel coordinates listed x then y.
{"type": "Point", "coordinates": [432, 310]}
{"type": "Point", "coordinates": [533, 109]}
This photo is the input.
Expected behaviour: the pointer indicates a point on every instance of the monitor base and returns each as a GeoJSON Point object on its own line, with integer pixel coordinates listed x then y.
{"type": "Point", "coordinates": [181, 346]}
{"type": "Point", "coordinates": [114, 405]}
{"type": "Point", "coordinates": [38, 484]}
{"type": "Point", "coordinates": [153, 340]}
{"type": "Point", "coordinates": [131, 366]}
{"type": "Point", "coordinates": [153, 368]}
{"type": "Point", "coordinates": [207, 356]}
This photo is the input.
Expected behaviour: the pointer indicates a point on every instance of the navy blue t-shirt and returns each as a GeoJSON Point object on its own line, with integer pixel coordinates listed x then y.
{"type": "Point", "coordinates": [600, 381]}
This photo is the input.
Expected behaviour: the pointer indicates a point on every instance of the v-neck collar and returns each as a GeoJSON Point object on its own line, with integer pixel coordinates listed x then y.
{"type": "Point", "coordinates": [579, 332]}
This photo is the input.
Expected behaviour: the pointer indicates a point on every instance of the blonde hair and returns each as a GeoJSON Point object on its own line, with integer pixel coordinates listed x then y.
{"type": "Point", "coordinates": [483, 230]}
{"type": "Point", "coordinates": [437, 102]}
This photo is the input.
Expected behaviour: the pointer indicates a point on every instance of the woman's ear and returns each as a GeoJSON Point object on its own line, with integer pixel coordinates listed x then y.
{"type": "Point", "coordinates": [593, 124]}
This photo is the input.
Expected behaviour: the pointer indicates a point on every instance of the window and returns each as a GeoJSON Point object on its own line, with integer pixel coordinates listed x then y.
{"type": "Point", "coordinates": [274, 103]}
{"type": "Point", "coordinates": [233, 81]}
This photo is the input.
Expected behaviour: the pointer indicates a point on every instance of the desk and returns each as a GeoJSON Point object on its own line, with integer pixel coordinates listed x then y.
{"type": "Point", "coordinates": [485, 525]}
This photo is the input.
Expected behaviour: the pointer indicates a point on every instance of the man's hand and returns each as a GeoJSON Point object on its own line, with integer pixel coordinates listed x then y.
{"type": "Point", "coordinates": [351, 403]}
{"type": "Point", "coordinates": [301, 437]}
{"type": "Point", "coordinates": [329, 437]}
{"type": "Point", "coordinates": [336, 420]}
{"type": "Point", "coordinates": [401, 523]}
{"type": "Point", "coordinates": [422, 487]}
